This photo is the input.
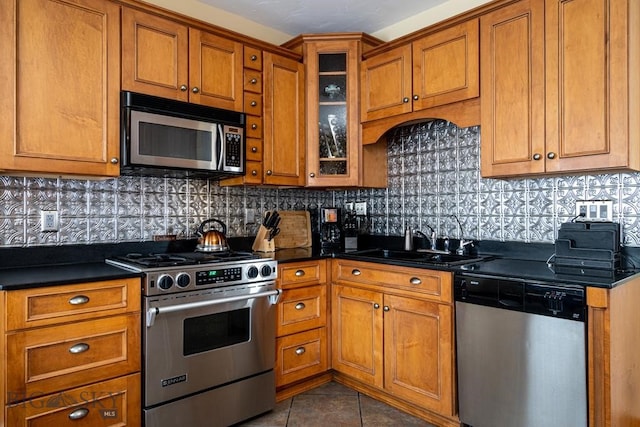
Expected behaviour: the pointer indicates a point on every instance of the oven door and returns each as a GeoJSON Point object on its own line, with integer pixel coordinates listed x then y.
{"type": "Point", "coordinates": [201, 339]}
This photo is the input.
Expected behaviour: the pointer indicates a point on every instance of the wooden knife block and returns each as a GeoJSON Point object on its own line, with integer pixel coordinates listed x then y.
{"type": "Point", "coordinates": [262, 242]}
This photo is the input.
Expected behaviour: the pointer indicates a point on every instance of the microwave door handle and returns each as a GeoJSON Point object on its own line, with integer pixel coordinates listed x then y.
{"type": "Point", "coordinates": [153, 312]}
{"type": "Point", "coordinates": [221, 147]}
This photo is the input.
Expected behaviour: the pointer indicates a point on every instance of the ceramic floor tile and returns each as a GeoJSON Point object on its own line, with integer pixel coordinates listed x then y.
{"type": "Point", "coordinates": [324, 410]}
{"type": "Point", "coordinates": [375, 414]}
{"type": "Point", "coordinates": [276, 418]}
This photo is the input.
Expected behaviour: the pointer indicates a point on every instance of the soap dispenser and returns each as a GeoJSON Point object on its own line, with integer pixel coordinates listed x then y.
{"type": "Point", "coordinates": [408, 239]}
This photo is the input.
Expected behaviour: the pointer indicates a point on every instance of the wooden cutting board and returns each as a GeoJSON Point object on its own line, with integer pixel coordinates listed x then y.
{"type": "Point", "coordinates": [295, 230]}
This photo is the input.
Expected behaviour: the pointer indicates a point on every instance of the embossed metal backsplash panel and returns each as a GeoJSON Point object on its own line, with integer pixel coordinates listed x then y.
{"type": "Point", "coordinates": [434, 172]}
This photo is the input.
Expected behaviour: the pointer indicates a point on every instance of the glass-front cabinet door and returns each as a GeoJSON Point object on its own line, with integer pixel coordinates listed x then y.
{"type": "Point", "coordinates": [333, 146]}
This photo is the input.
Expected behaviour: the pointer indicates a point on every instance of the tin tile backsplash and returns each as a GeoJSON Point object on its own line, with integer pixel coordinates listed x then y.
{"type": "Point", "coordinates": [434, 173]}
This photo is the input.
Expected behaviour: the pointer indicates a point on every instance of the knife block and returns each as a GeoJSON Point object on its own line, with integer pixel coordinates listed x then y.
{"type": "Point", "coordinates": [262, 242]}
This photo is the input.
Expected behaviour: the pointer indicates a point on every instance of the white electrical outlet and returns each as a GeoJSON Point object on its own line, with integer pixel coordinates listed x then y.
{"type": "Point", "coordinates": [361, 208]}
{"type": "Point", "coordinates": [594, 210]}
{"type": "Point", "coordinates": [49, 221]}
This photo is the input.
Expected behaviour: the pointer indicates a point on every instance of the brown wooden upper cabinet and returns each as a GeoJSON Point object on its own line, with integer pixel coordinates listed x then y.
{"type": "Point", "coordinates": [438, 69]}
{"type": "Point", "coordinates": [165, 58]}
{"type": "Point", "coordinates": [60, 90]}
{"type": "Point", "coordinates": [560, 87]}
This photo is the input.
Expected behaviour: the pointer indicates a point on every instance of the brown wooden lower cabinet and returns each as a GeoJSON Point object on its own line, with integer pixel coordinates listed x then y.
{"type": "Point", "coordinates": [394, 343]}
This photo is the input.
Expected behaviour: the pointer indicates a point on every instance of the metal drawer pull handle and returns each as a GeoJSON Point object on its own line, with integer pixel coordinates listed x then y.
{"type": "Point", "coordinates": [300, 306]}
{"type": "Point", "coordinates": [356, 272]}
{"type": "Point", "coordinates": [300, 273]}
{"type": "Point", "coordinates": [300, 351]}
{"type": "Point", "coordinates": [254, 81]}
{"type": "Point", "coordinates": [79, 414]}
{"type": "Point", "coordinates": [79, 348]}
{"type": "Point", "coordinates": [415, 281]}
{"type": "Point", "coordinates": [376, 305]}
{"type": "Point", "coordinates": [79, 300]}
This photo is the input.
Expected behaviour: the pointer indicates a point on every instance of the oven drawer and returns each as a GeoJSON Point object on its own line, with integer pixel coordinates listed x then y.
{"type": "Point", "coordinates": [46, 360]}
{"type": "Point", "coordinates": [71, 303]}
{"type": "Point", "coordinates": [302, 273]}
{"type": "Point", "coordinates": [301, 309]}
{"type": "Point", "coordinates": [416, 282]}
{"type": "Point", "coordinates": [110, 403]}
{"type": "Point", "coordinates": [301, 355]}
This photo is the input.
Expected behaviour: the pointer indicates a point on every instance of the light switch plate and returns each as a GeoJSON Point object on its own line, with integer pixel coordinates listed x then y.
{"type": "Point", "coordinates": [594, 210]}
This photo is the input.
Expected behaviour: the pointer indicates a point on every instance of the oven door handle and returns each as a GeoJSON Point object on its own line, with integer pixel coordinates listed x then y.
{"type": "Point", "coordinates": [155, 311]}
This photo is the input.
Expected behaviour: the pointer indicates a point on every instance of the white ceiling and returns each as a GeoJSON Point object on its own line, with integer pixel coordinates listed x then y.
{"type": "Point", "coordinates": [325, 16]}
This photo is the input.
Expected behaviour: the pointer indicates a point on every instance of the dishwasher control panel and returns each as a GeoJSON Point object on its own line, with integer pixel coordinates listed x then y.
{"type": "Point", "coordinates": [562, 301]}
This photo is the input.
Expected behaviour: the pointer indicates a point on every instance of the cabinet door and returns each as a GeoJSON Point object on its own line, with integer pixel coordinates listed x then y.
{"type": "Point", "coordinates": [215, 71]}
{"type": "Point", "coordinates": [446, 66]}
{"type": "Point", "coordinates": [512, 87]}
{"type": "Point", "coordinates": [588, 84]}
{"type": "Point", "coordinates": [284, 144]}
{"type": "Point", "coordinates": [386, 81]}
{"type": "Point", "coordinates": [155, 56]}
{"type": "Point", "coordinates": [357, 334]}
{"type": "Point", "coordinates": [418, 352]}
{"type": "Point", "coordinates": [59, 94]}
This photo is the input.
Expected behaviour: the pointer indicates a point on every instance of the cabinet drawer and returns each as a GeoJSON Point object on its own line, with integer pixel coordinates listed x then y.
{"type": "Point", "coordinates": [110, 403]}
{"type": "Point", "coordinates": [70, 303]}
{"type": "Point", "coordinates": [70, 355]}
{"type": "Point", "coordinates": [300, 356]}
{"type": "Point", "coordinates": [302, 273]}
{"type": "Point", "coordinates": [252, 81]}
{"type": "Point", "coordinates": [430, 284]}
{"type": "Point", "coordinates": [302, 309]}
{"type": "Point", "coordinates": [254, 150]}
{"type": "Point", "coordinates": [254, 127]}
{"type": "Point", "coordinates": [252, 58]}
{"type": "Point", "coordinates": [253, 104]}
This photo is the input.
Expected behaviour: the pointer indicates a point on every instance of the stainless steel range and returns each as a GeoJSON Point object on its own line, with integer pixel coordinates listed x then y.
{"type": "Point", "coordinates": [208, 336]}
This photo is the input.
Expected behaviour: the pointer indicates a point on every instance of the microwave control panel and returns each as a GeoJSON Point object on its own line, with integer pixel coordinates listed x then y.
{"type": "Point", "coordinates": [233, 153]}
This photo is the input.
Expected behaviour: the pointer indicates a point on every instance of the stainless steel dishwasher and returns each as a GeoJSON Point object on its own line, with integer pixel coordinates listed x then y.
{"type": "Point", "coordinates": [521, 353]}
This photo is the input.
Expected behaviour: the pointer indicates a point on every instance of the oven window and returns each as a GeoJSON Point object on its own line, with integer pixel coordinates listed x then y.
{"type": "Point", "coordinates": [213, 331]}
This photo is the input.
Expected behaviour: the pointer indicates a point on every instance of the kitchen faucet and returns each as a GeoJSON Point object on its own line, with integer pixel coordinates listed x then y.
{"type": "Point", "coordinates": [463, 242]}
{"type": "Point", "coordinates": [434, 237]}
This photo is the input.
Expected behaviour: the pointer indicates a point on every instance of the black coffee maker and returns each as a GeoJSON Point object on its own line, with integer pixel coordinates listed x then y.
{"type": "Point", "coordinates": [330, 229]}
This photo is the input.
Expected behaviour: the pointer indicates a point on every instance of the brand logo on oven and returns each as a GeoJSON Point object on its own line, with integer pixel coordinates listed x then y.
{"type": "Point", "coordinates": [175, 380]}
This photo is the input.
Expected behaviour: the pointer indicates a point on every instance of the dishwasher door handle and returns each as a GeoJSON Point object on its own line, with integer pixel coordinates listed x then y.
{"type": "Point", "coordinates": [509, 303]}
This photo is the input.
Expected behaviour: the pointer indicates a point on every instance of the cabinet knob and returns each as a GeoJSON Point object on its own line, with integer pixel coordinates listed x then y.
{"type": "Point", "coordinates": [254, 149]}
{"type": "Point", "coordinates": [79, 348]}
{"type": "Point", "coordinates": [356, 272]}
{"type": "Point", "coordinates": [300, 351]}
{"type": "Point", "coordinates": [114, 160]}
{"type": "Point", "coordinates": [195, 89]}
{"type": "Point", "coordinates": [537, 156]}
{"type": "Point", "coordinates": [253, 81]}
{"type": "Point", "coordinates": [183, 88]}
{"type": "Point", "coordinates": [79, 414]}
{"type": "Point", "coordinates": [254, 57]}
{"type": "Point", "coordinates": [415, 281]}
{"type": "Point", "coordinates": [269, 172]}
{"type": "Point", "coordinates": [254, 172]}
{"type": "Point", "coordinates": [416, 97]}
{"type": "Point", "coordinates": [79, 300]}
{"type": "Point", "coordinates": [405, 100]}
{"type": "Point", "coordinates": [551, 155]}
{"type": "Point", "coordinates": [299, 273]}
{"type": "Point", "coordinates": [312, 175]}
{"type": "Point", "coordinates": [254, 126]}
{"type": "Point", "coordinates": [376, 305]}
{"type": "Point", "coordinates": [386, 308]}
{"type": "Point", "coordinates": [254, 103]}
{"type": "Point", "coordinates": [300, 306]}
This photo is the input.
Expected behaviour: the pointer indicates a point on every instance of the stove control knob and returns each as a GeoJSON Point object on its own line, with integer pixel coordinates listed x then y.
{"type": "Point", "coordinates": [266, 270]}
{"type": "Point", "coordinates": [183, 280]}
{"type": "Point", "coordinates": [252, 272]}
{"type": "Point", "coordinates": [165, 282]}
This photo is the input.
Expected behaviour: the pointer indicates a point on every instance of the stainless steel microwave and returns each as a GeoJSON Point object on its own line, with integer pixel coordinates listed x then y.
{"type": "Point", "coordinates": [165, 137]}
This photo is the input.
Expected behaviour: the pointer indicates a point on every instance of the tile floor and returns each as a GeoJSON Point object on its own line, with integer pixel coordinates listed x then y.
{"type": "Point", "coordinates": [333, 404]}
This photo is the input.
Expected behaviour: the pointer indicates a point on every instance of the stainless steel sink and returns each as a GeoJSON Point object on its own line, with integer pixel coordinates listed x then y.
{"type": "Point", "coordinates": [417, 257]}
